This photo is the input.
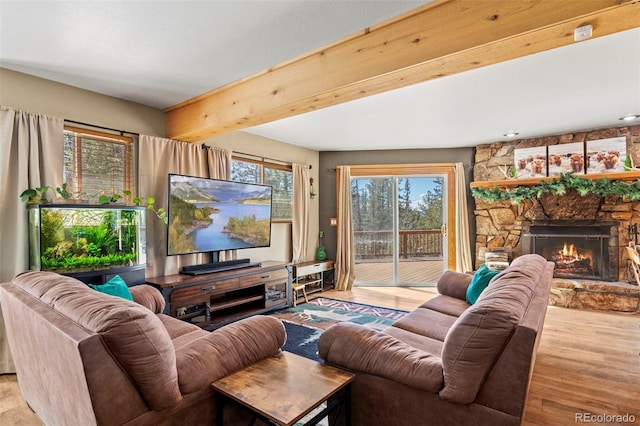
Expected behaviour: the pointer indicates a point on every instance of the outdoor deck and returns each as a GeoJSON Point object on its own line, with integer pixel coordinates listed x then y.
{"type": "Point", "coordinates": [412, 272]}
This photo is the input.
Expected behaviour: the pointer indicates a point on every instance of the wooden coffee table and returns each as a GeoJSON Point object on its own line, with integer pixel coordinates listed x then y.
{"type": "Point", "coordinates": [283, 389]}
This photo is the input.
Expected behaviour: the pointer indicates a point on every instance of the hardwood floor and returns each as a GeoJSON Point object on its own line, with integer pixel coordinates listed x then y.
{"type": "Point", "coordinates": [588, 363]}
{"type": "Point", "coordinates": [13, 410]}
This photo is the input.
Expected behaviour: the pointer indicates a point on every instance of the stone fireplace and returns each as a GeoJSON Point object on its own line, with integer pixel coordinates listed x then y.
{"type": "Point", "coordinates": [503, 225]}
{"type": "Point", "coordinates": [585, 236]}
{"type": "Point", "coordinates": [596, 227]}
{"type": "Point", "coordinates": [584, 249]}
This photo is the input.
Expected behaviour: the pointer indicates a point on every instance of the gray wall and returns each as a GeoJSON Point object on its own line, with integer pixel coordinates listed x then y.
{"type": "Point", "coordinates": [327, 177]}
{"type": "Point", "coordinates": [32, 94]}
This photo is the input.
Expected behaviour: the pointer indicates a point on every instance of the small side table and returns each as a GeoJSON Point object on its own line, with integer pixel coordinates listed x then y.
{"type": "Point", "coordinates": [309, 277]}
{"type": "Point", "coordinates": [283, 389]}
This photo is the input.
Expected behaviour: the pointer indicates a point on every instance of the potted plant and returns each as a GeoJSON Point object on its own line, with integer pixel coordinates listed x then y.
{"type": "Point", "coordinates": [35, 195]}
{"type": "Point", "coordinates": [38, 196]}
{"type": "Point", "coordinates": [136, 201]}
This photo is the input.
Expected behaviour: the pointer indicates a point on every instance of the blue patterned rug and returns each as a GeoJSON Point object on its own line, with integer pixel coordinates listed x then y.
{"type": "Point", "coordinates": [306, 322]}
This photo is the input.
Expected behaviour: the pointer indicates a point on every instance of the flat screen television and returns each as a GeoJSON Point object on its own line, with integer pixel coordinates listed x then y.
{"type": "Point", "coordinates": [211, 215]}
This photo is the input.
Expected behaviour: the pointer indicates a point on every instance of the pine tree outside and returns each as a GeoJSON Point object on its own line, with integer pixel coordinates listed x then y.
{"type": "Point", "coordinates": [397, 224]}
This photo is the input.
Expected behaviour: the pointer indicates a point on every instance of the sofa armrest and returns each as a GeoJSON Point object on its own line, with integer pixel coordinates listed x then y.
{"type": "Point", "coordinates": [148, 296]}
{"type": "Point", "coordinates": [227, 350]}
{"type": "Point", "coordinates": [454, 284]}
{"type": "Point", "coordinates": [362, 349]}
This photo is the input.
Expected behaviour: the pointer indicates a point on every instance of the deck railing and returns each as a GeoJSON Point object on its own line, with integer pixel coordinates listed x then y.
{"type": "Point", "coordinates": [413, 244]}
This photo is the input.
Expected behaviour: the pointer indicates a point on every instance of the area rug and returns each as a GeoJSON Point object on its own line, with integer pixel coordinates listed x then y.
{"type": "Point", "coordinates": [306, 322]}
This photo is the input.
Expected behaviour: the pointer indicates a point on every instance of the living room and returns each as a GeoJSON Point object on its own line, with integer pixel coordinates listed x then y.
{"type": "Point", "coordinates": [23, 92]}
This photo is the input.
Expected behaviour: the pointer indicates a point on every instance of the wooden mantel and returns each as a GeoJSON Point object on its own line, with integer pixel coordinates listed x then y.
{"type": "Point", "coordinates": [441, 38]}
{"type": "Point", "coordinates": [512, 183]}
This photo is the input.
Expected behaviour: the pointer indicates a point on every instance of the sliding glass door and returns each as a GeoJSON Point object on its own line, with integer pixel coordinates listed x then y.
{"type": "Point", "coordinates": [399, 225]}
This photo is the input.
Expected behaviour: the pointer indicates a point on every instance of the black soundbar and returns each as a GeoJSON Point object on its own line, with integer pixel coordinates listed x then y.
{"type": "Point", "coordinates": [227, 265]}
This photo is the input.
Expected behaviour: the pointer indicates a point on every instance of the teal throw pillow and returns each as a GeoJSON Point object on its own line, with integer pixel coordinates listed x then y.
{"type": "Point", "coordinates": [479, 282]}
{"type": "Point", "coordinates": [115, 287]}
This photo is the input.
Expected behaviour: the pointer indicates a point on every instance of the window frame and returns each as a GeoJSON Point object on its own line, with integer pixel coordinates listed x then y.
{"type": "Point", "coordinates": [447, 169]}
{"type": "Point", "coordinates": [271, 165]}
{"type": "Point", "coordinates": [128, 142]}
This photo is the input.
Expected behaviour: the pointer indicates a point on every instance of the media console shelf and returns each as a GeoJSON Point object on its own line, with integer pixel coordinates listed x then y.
{"type": "Point", "coordinates": [214, 299]}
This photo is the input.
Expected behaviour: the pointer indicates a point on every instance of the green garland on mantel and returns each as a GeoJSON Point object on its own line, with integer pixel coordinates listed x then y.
{"type": "Point", "coordinates": [559, 186]}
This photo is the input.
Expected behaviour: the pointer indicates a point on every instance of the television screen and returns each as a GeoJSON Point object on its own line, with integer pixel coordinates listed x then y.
{"type": "Point", "coordinates": [209, 215]}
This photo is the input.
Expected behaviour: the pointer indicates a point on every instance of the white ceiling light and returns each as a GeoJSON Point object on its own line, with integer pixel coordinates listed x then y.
{"type": "Point", "coordinates": [511, 134]}
{"type": "Point", "coordinates": [629, 117]}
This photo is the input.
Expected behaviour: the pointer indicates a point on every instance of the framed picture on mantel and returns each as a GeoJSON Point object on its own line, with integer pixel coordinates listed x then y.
{"type": "Point", "coordinates": [530, 162]}
{"type": "Point", "coordinates": [606, 155]}
{"type": "Point", "coordinates": [565, 158]}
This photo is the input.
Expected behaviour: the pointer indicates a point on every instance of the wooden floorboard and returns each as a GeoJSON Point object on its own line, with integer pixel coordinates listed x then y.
{"type": "Point", "coordinates": [410, 272]}
{"type": "Point", "coordinates": [587, 362]}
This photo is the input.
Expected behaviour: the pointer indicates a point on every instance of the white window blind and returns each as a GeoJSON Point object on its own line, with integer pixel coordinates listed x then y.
{"type": "Point", "coordinates": [97, 163]}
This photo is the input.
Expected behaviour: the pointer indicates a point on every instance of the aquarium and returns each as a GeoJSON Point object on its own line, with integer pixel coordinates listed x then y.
{"type": "Point", "coordinates": [71, 238]}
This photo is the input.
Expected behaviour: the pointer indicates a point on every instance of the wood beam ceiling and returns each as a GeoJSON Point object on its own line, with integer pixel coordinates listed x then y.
{"type": "Point", "coordinates": [439, 39]}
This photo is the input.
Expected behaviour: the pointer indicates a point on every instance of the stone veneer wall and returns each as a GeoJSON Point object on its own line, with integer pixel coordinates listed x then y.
{"type": "Point", "coordinates": [499, 225]}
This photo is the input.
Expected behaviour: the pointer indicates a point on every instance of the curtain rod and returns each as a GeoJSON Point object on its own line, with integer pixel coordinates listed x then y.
{"type": "Point", "coordinates": [122, 132]}
{"type": "Point", "coordinates": [265, 158]}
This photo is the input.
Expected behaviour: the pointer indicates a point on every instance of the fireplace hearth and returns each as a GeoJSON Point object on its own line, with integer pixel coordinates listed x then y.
{"type": "Point", "coordinates": [579, 249]}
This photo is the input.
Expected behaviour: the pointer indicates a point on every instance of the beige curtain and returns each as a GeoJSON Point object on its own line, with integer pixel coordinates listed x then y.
{"type": "Point", "coordinates": [219, 162]}
{"type": "Point", "coordinates": [157, 158]}
{"type": "Point", "coordinates": [345, 262]}
{"type": "Point", "coordinates": [300, 222]}
{"type": "Point", "coordinates": [463, 245]}
{"type": "Point", "coordinates": [31, 155]}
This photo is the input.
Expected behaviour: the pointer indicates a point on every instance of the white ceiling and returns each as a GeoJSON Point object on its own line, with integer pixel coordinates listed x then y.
{"type": "Point", "coordinates": [159, 53]}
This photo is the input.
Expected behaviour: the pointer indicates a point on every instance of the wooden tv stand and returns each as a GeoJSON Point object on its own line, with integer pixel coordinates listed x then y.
{"type": "Point", "coordinates": [212, 300]}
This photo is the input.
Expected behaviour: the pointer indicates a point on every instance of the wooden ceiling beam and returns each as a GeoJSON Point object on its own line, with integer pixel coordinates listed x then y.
{"type": "Point", "coordinates": [439, 39]}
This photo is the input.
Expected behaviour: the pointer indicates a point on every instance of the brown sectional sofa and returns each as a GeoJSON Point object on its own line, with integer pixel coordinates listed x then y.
{"type": "Point", "coordinates": [83, 357]}
{"type": "Point", "coordinates": [448, 362]}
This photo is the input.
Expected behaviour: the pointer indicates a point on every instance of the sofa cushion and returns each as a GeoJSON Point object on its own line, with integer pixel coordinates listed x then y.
{"type": "Point", "coordinates": [426, 322]}
{"type": "Point", "coordinates": [177, 328]}
{"type": "Point", "coordinates": [479, 282]}
{"type": "Point", "coordinates": [447, 305]}
{"type": "Point", "coordinates": [476, 339]}
{"type": "Point", "coordinates": [363, 349]}
{"type": "Point", "coordinates": [425, 344]}
{"type": "Point", "coordinates": [132, 333]}
{"type": "Point", "coordinates": [454, 284]}
{"type": "Point", "coordinates": [181, 332]}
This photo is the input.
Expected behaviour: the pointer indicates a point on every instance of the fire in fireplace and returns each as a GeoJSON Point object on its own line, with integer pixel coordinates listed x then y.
{"type": "Point", "coordinates": [581, 249]}
{"type": "Point", "coordinates": [570, 261]}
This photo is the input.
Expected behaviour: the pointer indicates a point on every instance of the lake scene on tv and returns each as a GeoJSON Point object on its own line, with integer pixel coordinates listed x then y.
{"type": "Point", "coordinates": [208, 215]}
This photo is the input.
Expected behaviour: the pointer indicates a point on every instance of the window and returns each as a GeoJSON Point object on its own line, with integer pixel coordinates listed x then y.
{"type": "Point", "coordinates": [97, 163]}
{"type": "Point", "coordinates": [280, 177]}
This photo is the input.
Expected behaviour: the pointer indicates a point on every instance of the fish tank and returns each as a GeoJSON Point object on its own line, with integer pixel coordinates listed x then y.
{"type": "Point", "coordinates": [79, 240]}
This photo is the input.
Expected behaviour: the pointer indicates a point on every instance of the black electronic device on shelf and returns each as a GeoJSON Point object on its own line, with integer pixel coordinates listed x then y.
{"type": "Point", "coordinates": [228, 265]}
